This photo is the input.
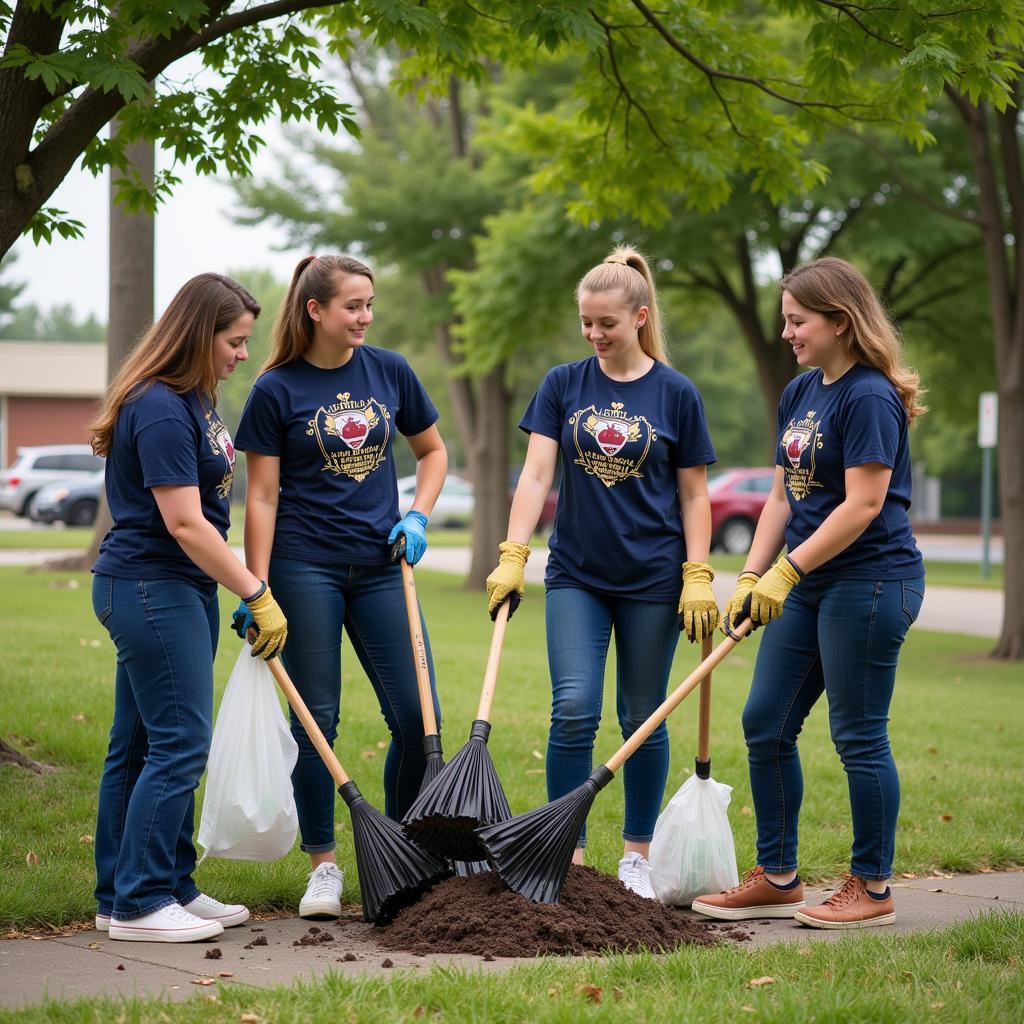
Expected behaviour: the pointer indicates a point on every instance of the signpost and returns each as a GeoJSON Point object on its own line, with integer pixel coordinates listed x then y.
{"type": "Point", "coordinates": [988, 435]}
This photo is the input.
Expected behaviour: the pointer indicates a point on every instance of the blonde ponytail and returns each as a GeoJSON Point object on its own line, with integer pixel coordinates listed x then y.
{"type": "Point", "coordinates": [625, 269]}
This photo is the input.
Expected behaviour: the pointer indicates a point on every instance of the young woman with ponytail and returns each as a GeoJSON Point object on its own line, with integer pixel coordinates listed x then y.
{"type": "Point", "coordinates": [633, 516]}
{"type": "Point", "coordinates": [321, 517]}
{"type": "Point", "coordinates": [851, 584]}
{"type": "Point", "coordinates": [170, 464]}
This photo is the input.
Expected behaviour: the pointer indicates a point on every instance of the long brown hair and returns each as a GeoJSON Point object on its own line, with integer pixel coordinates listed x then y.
{"type": "Point", "coordinates": [315, 277]}
{"type": "Point", "coordinates": [838, 290]}
{"type": "Point", "coordinates": [177, 350]}
{"type": "Point", "coordinates": [626, 269]}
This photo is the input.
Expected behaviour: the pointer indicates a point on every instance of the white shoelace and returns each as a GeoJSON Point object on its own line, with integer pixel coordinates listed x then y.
{"type": "Point", "coordinates": [325, 880]}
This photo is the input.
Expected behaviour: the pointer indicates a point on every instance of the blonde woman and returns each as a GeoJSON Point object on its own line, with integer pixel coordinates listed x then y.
{"type": "Point", "coordinates": [839, 603]}
{"type": "Point", "coordinates": [632, 508]}
{"type": "Point", "coordinates": [170, 464]}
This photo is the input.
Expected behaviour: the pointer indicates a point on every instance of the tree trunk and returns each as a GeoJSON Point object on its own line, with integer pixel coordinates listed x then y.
{"type": "Point", "coordinates": [8, 755]}
{"type": "Point", "coordinates": [488, 459]}
{"type": "Point", "coordinates": [1006, 289]}
{"type": "Point", "coordinates": [132, 269]}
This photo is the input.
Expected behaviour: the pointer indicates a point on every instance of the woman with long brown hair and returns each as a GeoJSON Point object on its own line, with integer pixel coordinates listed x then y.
{"type": "Point", "coordinates": [629, 549]}
{"type": "Point", "coordinates": [321, 523]}
{"type": "Point", "coordinates": [170, 464]}
{"type": "Point", "coordinates": [850, 584]}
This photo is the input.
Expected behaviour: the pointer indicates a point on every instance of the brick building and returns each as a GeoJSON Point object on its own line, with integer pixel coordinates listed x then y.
{"type": "Point", "coordinates": [49, 391]}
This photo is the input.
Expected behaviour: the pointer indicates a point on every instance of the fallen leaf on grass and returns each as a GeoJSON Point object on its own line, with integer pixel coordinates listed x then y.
{"type": "Point", "coordinates": [766, 980]}
{"type": "Point", "coordinates": [945, 817]}
{"type": "Point", "coordinates": [250, 1018]}
{"type": "Point", "coordinates": [554, 991]}
{"type": "Point", "coordinates": [31, 858]}
{"type": "Point", "coordinates": [78, 718]}
{"type": "Point", "coordinates": [804, 950]}
{"type": "Point", "coordinates": [985, 871]}
{"type": "Point", "coordinates": [907, 874]}
{"type": "Point", "coordinates": [617, 994]}
{"type": "Point", "coordinates": [381, 744]}
{"type": "Point", "coordinates": [204, 981]}
{"type": "Point", "coordinates": [746, 811]}
{"type": "Point", "coordinates": [534, 771]}
{"type": "Point", "coordinates": [85, 840]}
{"type": "Point", "coordinates": [592, 992]}
{"type": "Point", "coordinates": [419, 1011]}
{"type": "Point", "coordinates": [936, 1006]}
{"type": "Point", "coordinates": [368, 755]}
{"type": "Point", "coordinates": [748, 1009]}
{"type": "Point", "coordinates": [537, 754]}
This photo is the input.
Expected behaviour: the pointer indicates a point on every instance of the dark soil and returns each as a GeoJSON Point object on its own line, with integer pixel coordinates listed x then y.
{"type": "Point", "coordinates": [314, 937]}
{"type": "Point", "coordinates": [482, 915]}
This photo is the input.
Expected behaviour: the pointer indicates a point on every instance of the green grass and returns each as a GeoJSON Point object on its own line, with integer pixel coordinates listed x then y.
{"type": "Point", "coordinates": [968, 973]}
{"type": "Point", "coordinates": [959, 754]}
{"type": "Point", "coordinates": [38, 537]}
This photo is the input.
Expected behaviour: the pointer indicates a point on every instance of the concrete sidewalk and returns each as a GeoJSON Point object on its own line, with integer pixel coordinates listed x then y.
{"type": "Point", "coordinates": [88, 964]}
{"type": "Point", "coordinates": [972, 610]}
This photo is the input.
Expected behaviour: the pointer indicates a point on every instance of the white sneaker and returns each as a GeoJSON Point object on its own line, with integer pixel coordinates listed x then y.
{"type": "Point", "coordinates": [209, 909]}
{"type": "Point", "coordinates": [635, 875]}
{"type": "Point", "coordinates": [169, 924]}
{"type": "Point", "coordinates": [103, 922]}
{"type": "Point", "coordinates": [323, 893]}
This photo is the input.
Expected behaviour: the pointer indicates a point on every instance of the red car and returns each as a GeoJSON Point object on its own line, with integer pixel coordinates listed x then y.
{"type": "Point", "coordinates": [737, 497]}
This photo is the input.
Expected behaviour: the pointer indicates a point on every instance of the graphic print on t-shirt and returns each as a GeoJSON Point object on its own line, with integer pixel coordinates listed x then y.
{"type": "Point", "coordinates": [801, 436]}
{"type": "Point", "coordinates": [611, 444]}
{"type": "Point", "coordinates": [352, 435]}
{"type": "Point", "coordinates": [219, 439]}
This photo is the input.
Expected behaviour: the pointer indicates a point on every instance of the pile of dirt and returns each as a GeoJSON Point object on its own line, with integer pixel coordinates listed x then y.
{"type": "Point", "coordinates": [596, 913]}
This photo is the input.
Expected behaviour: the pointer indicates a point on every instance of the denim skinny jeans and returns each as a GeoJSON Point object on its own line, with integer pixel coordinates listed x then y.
{"type": "Point", "coordinates": [842, 638]}
{"type": "Point", "coordinates": [165, 632]}
{"type": "Point", "coordinates": [369, 601]}
{"type": "Point", "coordinates": [579, 627]}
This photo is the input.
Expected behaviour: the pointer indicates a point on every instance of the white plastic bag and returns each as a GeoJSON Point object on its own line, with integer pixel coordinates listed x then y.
{"type": "Point", "coordinates": [249, 809]}
{"type": "Point", "coordinates": [692, 852]}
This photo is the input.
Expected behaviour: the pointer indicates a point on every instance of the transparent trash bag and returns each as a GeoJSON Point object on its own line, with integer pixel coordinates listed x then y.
{"type": "Point", "coordinates": [249, 809]}
{"type": "Point", "coordinates": [692, 852]}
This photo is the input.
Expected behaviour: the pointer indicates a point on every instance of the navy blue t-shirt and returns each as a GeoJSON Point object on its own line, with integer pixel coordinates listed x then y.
{"type": "Point", "coordinates": [162, 438]}
{"type": "Point", "coordinates": [824, 429]}
{"type": "Point", "coordinates": [333, 432]}
{"type": "Point", "coordinates": [618, 527]}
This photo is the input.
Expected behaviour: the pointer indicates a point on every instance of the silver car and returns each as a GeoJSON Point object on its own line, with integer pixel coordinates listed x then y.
{"type": "Point", "coordinates": [45, 464]}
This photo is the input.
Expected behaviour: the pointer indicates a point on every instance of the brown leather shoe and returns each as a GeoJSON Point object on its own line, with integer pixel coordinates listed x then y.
{"type": "Point", "coordinates": [849, 906]}
{"type": "Point", "coordinates": [755, 896]}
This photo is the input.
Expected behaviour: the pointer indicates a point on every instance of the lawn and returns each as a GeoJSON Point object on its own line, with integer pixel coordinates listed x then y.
{"type": "Point", "coordinates": [966, 974]}
{"type": "Point", "coordinates": [959, 755]}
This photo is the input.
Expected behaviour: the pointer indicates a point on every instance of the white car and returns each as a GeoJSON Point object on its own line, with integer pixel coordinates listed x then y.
{"type": "Point", "coordinates": [46, 464]}
{"type": "Point", "coordinates": [454, 505]}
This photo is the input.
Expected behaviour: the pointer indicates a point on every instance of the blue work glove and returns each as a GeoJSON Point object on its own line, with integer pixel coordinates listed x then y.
{"type": "Point", "coordinates": [413, 527]}
{"type": "Point", "coordinates": [242, 620]}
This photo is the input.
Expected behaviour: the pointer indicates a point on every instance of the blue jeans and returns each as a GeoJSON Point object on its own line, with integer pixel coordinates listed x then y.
{"type": "Point", "coordinates": [369, 601]}
{"type": "Point", "coordinates": [165, 633]}
{"type": "Point", "coordinates": [842, 638]}
{"type": "Point", "coordinates": [579, 628]}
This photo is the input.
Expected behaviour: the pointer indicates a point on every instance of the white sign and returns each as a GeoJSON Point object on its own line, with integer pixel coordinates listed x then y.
{"type": "Point", "coordinates": [988, 419]}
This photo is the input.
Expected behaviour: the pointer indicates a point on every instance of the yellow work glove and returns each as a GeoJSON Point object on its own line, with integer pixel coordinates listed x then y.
{"type": "Point", "coordinates": [732, 613]}
{"type": "Point", "coordinates": [271, 623]}
{"type": "Point", "coordinates": [698, 608]}
{"type": "Point", "coordinates": [770, 592]}
{"type": "Point", "coordinates": [508, 579]}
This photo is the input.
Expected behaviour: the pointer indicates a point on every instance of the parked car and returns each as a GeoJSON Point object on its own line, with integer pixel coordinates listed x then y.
{"type": "Point", "coordinates": [737, 497]}
{"type": "Point", "coordinates": [45, 464]}
{"type": "Point", "coordinates": [547, 512]}
{"type": "Point", "coordinates": [73, 502]}
{"type": "Point", "coordinates": [454, 506]}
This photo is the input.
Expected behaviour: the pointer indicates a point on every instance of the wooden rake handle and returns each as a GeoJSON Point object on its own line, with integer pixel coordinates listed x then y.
{"type": "Point", "coordinates": [704, 715]}
{"type": "Point", "coordinates": [675, 698]}
{"type": "Point", "coordinates": [419, 650]}
{"type": "Point", "coordinates": [317, 738]}
{"type": "Point", "coordinates": [483, 712]}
